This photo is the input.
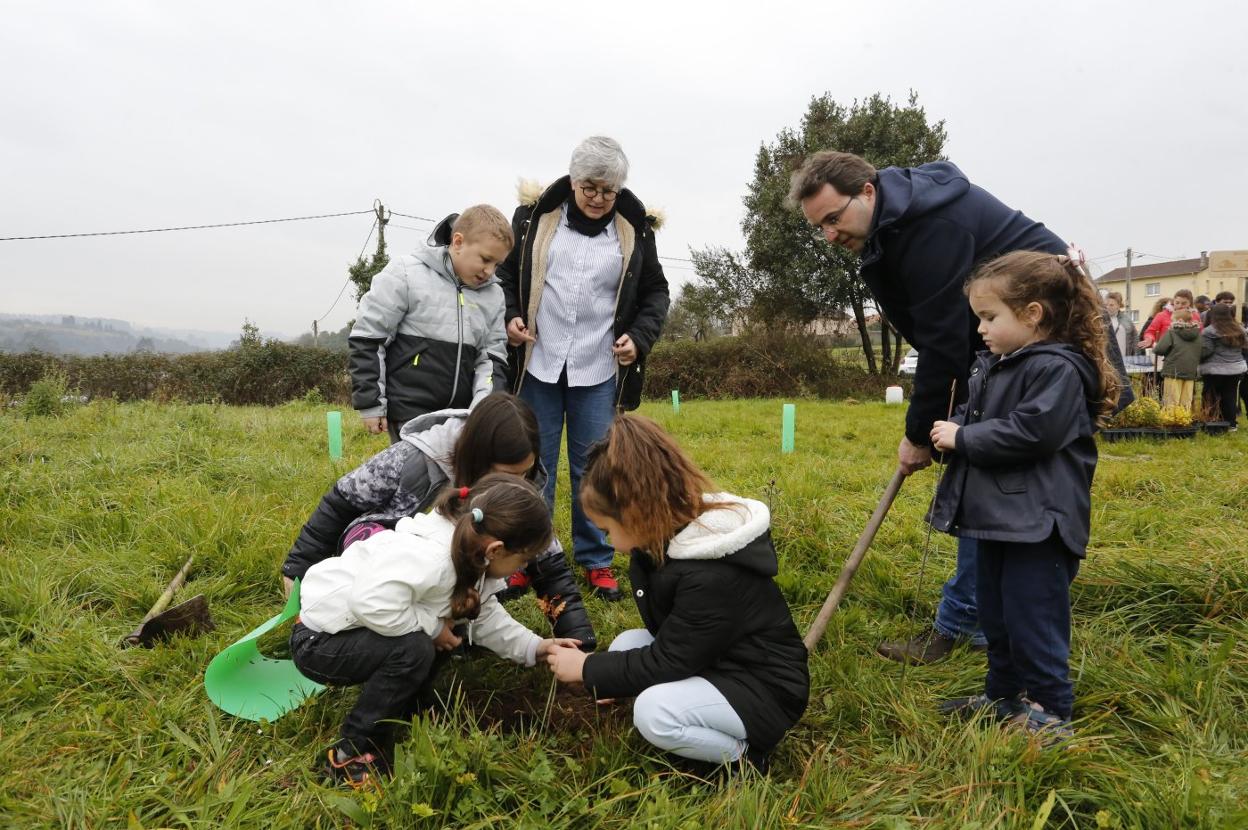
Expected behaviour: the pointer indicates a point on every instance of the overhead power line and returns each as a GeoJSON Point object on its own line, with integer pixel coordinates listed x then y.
{"type": "Point", "coordinates": [186, 227]}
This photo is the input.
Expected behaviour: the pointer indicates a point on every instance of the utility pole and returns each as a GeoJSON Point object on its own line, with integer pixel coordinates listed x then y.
{"type": "Point", "coordinates": [315, 339]}
{"type": "Point", "coordinates": [1129, 254]}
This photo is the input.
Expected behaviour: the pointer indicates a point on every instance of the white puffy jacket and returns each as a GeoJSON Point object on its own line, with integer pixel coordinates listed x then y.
{"type": "Point", "coordinates": [400, 581]}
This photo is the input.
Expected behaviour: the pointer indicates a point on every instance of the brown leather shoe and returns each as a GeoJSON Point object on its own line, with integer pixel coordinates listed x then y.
{"type": "Point", "coordinates": [929, 647]}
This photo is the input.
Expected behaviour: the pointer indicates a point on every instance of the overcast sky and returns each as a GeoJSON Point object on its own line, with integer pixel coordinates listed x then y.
{"type": "Point", "coordinates": [1116, 123]}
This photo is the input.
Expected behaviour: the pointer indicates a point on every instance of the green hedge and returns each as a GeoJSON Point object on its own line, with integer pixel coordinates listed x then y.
{"type": "Point", "coordinates": [760, 366]}
{"type": "Point", "coordinates": [766, 365]}
{"type": "Point", "coordinates": [268, 373]}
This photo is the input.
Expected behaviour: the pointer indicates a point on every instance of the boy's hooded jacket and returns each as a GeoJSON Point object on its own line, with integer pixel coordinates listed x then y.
{"type": "Point", "coordinates": [403, 480]}
{"type": "Point", "coordinates": [1180, 346]}
{"type": "Point", "coordinates": [400, 581]}
{"type": "Point", "coordinates": [716, 612]}
{"type": "Point", "coordinates": [931, 228]}
{"type": "Point", "coordinates": [423, 340]}
{"type": "Point", "coordinates": [1025, 453]}
{"type": "Point", "coordinates": [641, 298]}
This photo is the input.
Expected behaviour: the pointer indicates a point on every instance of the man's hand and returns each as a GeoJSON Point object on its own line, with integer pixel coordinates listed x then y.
{"type": "Point", "coordinates": [447, 640]}
{"type": "Point", "coordinates": [625, 350]}
{"type": "Point", "coordinates": [566, 662]}
{"type": "Point", "coordinates": [945, 436]}
{"type": "Point", "coordinates": [911, 459]}
{"type": "Point", "coordinates": [376, 426]}
{"type": "Point", "coordinates": [518, 333]}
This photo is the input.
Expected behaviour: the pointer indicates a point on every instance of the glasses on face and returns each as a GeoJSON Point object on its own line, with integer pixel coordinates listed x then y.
{"type": "Point", "coordinates": [592, 192]}
{"type": "Point", "coordinates": [831, 220]}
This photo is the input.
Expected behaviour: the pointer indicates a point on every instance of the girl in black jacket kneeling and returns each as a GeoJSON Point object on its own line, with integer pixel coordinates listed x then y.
{"type": "Point", "coordinates": [1020, 475]}
{"type": "Point", "coordinates": [719, 671]}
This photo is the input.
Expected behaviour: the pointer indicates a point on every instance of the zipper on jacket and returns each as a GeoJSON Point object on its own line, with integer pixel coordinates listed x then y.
{"type": "Point", "coordinates": [459, 348]}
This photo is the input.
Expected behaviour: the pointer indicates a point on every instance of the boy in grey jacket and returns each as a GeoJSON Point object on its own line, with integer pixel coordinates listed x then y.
{"type": "Point", "coordinates": [430, 334]}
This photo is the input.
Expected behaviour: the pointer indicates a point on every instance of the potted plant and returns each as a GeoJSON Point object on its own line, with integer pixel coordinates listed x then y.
{"type": "Point", "coordinates": [1142, 418]}
{"type": "Point", "coordinates": [1209, 420]}
{"type": "Point", "coordinates": [1177, 421]}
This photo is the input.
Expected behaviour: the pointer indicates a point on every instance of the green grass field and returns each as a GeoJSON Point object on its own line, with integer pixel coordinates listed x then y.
{"type": "Point", "coordinates": [100, 507]}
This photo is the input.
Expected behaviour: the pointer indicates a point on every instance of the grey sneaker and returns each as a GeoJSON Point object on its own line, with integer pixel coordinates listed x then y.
{"type": "Point", "coordinates": [1037, 720]}
{"type": "Point", "coordinates": [1000, 710]}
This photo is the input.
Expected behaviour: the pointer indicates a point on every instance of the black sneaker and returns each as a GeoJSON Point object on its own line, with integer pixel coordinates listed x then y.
{"type": "Point", "coordinates": [1049, 726]}
{"type": "Point", "coordinates": [354, 771]}
{"type": "Point", "coordinates": [517, 586]}
{"type": "Point", "coordinates": [968, 707]}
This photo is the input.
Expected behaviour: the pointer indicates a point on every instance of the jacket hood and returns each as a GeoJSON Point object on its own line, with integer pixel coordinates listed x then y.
{"type": "Point", "coordinates": [909, 192]}
{"type": "Point", "coordinates": [738, 531]}
{"type": "Point", "coordinates": [1087, 373]}
{"type": "Point", "coordinates": [1189, 331]}
{"type": "Point", "coordinates": [435, 434]}
{"type": "Point", "coordinates": [432, 526]}
{"type": "Point", "coordinates": [436, 253]}
{"type": "Point", "coordinates": [530, 192]}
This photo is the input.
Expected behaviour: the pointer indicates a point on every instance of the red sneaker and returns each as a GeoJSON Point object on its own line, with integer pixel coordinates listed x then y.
{"type": "Point", "coordinates": [517, 585]}
{"type": "Point", "coordinates": [603, 584]}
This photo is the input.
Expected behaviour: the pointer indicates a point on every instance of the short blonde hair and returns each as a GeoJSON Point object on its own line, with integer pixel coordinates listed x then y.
{"type": "Point", "coordinates": [484, 220]}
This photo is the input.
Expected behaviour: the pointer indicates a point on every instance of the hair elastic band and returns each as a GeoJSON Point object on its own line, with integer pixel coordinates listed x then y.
{"type": "Point", "coordinates": [477, 515]}
{"type": "Point", "coordinates": [463, 492]}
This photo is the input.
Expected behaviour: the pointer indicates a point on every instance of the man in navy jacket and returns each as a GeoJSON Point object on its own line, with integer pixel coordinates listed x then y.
{"type": "Point", "coordinates": [919, 233]}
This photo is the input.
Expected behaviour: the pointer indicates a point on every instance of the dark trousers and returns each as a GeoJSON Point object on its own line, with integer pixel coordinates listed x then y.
{"type": "Point", "coordinates": [1224, 389]}
{"type": "Point", "coordinates": [393, 425]}
{"type": "Point", "coordinates": [392, 670]}
{"type": "Point", "coordinates": [1023, 592]}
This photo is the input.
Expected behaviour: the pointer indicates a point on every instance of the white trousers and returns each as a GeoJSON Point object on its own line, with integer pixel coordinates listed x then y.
{"type": "Point", "coordinates": [687, 717]}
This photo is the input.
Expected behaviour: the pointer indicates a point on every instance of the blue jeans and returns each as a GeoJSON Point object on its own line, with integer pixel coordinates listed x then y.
{"type": "Point", "coordinates": [958, 615]}
{"type": "Point", "coordinates": [588, 411]}
{"type": "Point", "coordinates": [1024, 592]}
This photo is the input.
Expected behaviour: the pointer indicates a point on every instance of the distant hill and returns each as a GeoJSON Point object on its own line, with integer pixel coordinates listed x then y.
{"type": "Point", "coordinates": [70, 334]}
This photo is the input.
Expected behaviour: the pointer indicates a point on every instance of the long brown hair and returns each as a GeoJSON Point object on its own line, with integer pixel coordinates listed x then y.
{"type": "Point", "coordinates": [511, 511]}
{"type": "Point", "coordinates": [640, 477]}
{"type": "Point", "coordinates": [1071, 309]}
{"type": "Point", "coordinates": [1222, 321]}
{"type": "Point", "coordinates": [501, 429]}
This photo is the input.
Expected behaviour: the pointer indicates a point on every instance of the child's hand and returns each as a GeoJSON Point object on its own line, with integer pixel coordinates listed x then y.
{"type": "Point", "coordinates": [565, 661]}
{"type": "Point", "coordinates": [944, 435]}
{"type": "Point", "coordinates": [547, 645]}
{"type": "Point", "coordinates": [447, 639]}
{"type": "Point", "coordinates": [376, 426]}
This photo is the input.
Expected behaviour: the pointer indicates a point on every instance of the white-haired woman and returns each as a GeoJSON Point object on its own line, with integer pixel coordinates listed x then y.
{"type": "Point", "coordinates": [586, 300]}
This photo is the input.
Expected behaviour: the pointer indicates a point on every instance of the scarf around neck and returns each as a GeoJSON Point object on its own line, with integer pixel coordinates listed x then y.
{"type": "Point", "coordinates": [582, 224]}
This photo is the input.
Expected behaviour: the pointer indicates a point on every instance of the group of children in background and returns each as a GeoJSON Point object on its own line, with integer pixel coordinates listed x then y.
{"type": "Point", "coordinates": [404, 558]}
{"type": "Point", "coordinates": [1209, 345]}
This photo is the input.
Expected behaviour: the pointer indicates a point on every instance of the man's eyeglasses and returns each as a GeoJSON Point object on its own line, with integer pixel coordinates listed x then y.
{"type": "Point", "coordinates": [592, 192]}
{"type": "Point", "coordinates": [833, 219]}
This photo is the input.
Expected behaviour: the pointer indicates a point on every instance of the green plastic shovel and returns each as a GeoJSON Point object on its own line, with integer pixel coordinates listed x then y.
{"type": "Point", "coordinates": [245, 683]}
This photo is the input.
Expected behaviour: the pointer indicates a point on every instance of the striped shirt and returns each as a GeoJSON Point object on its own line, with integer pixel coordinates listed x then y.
{"type": "Point", "coordinates": [576, 315]}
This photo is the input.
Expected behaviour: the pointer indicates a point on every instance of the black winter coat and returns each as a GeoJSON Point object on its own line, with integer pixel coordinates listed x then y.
{"type": "Point", "coordinates": [719, 616]}
{"type": "Point", "coordinates": [930, 230]}
{"type": "Point", "coordinates": [642, 301]}
{"type": "Point", "coordinates": [1025, 453]}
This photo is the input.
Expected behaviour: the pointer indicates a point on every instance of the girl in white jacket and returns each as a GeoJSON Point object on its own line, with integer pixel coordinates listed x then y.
{"type": "Point", "coordinates": [376, 614]}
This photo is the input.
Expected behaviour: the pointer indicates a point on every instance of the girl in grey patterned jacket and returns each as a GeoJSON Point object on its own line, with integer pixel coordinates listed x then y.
{"type": "Point", "coordinates": [451, 447]}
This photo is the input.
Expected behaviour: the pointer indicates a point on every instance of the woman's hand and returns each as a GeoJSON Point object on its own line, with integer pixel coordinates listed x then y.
{"type": "Point", "coordinates": [518, 333]}
{"type": "Point", "coordinates": [944, 435]}
{"type": "Point", "coordinates": [447, 639]}
{"type": "Point", "coordinates": [566, 661]}
{"type": "Point", "coordinates": [625, 350]}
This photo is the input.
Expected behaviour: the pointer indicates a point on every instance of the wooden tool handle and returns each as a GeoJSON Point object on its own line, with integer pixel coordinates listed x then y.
{"type": "Point", "coordinates": [851, 564]}
{"type": "Point", "coordinates": [163, 602]}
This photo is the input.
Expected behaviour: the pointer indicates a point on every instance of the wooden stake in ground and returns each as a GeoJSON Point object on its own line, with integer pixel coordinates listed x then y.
{"type": "Point", "coordinates": [851, 564]}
